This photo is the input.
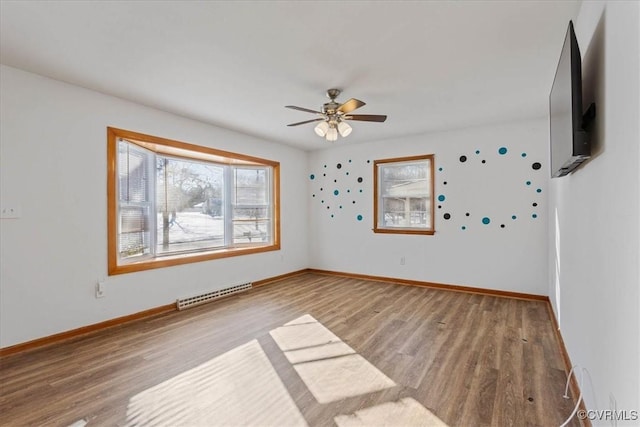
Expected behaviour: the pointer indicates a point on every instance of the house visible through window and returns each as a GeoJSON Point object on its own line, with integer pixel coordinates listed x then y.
{"type": "Point", "coordinates": [403, 195]}
{"type": "Point", "coordinates": [172, 203]}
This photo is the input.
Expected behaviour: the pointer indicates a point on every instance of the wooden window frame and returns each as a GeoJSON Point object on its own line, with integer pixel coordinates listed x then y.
{"type": "Point", "coordinates": [376, 199]}
{"type": "Point", "coordinates": [188, 151]}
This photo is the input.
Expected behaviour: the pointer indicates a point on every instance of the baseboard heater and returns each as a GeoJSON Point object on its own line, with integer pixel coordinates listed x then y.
{"type": "Point", "coordinates": [183, 303]}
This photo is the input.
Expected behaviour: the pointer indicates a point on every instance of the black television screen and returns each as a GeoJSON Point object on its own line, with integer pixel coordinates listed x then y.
{"type": "Point", "coordinates": [569, 145]}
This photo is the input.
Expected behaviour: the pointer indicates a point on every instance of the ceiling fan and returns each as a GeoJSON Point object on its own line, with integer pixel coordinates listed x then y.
{"type": "Point", "coordinates": [333, 117]}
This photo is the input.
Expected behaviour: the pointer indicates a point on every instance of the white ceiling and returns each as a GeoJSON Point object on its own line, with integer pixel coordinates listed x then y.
{"type": "Point", "coordinates": [429, 66]}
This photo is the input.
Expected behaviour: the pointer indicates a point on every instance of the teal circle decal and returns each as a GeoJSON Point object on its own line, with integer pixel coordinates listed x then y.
{"type": "Point", "coordinates": [336, 192]}
{"type": "Point", "coordinates": [441, 197]}
{"type": "Point", "coordinates": [312, 176]}
{"type": "Point", "coordinates": [502, 150]}
{"type": "Point", "coordinates": [359, 217]}
{"type": "Point", "coordinates": [486, 220]}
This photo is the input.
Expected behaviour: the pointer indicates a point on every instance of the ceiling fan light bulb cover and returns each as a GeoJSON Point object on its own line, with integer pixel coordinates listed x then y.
{"type": "Point", "coordinates": [332, 134]}
{"type": "Point", "coordinates": [344, 129]}
{"type": "Point", "coordinates": [321, 129]}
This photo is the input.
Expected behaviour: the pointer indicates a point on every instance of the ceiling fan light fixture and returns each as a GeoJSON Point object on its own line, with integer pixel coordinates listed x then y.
{"type": "Point", "coordinates": [332, 134]}
{"type": "Point", "coordinates": [344, 129]}
{"type": "Point", "coordinates": [321, 129]}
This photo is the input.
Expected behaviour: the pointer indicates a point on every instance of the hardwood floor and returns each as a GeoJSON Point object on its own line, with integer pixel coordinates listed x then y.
{"type": "Point", "coordinates": [472, 360]}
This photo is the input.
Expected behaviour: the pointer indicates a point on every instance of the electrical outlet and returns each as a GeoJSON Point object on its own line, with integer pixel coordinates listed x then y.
{"type": "Point", "coordinates": [613, 407]}
{"type": "Point", "coordinates": [100, 290]}
{"type": "Point", "coordinates": [402, 261]}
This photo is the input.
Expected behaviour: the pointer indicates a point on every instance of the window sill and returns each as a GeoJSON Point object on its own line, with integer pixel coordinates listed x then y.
{"type": "Point", "coordinates": [171, 260]}
{"type": "Point", "coordinates": [404, 231]}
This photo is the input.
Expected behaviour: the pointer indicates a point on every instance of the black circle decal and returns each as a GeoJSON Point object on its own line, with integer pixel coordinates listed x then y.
{"type": "Point", "coordinates": [536, 166]}
{"type": "Point", "coordinates": [463, 159]}
{"type": "Point", "coordinates": [339, 165]}
{"type": "Point", "coordinates": [359, 179]}
{"type": "Point", "coordinates": [447, 216]}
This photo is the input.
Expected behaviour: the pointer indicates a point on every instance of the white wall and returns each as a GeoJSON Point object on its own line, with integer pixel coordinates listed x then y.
{"type": "Point", "coordinates": [487, 256]}
{"type": "Point", "coordinates": [594, 242]}
{"type": "Point", "coordinates": [53, 165]}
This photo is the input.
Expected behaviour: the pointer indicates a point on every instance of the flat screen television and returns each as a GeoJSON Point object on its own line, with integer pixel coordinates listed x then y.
{"type": "Point", "coordinates": [570, 145]}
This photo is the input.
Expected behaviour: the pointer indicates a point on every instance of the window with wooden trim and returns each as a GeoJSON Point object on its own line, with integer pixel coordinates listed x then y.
{"type": "Point", "coordinates": [172, 203]}
{"type": "Point", "coordinates": [403, 195]}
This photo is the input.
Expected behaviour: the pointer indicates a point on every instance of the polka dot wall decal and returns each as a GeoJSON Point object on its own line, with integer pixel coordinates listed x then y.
{"type": "Point", "coordinates": [340, 206]}
{"type": "Point", "coordinates": [312, 176]}
{"type": "Point", "coordinates": [320, 188]}
{"type": "Point", "coordinates": [347, 173]}
{"type": "Point", "coordinates": [441, 198]}
{"type": "Point", "coordinates": [336, 192]}
{"type": "Point", "coordinates": [331, 215]}
{"type": "Point", "coordinates": [359, 217]}
{"type": "Point", "coordinates": [501, 225]}
{"type": "Point", "coordinates": [445, 183]}
{"type": "Point", "coordinates": [539, 190]}
{"type": "Point", "coordinates": [348, 191]}
{"type": "Point", "coordinates": [360, 179]}
{"type": "Point", "coordinates": [339, 165]}
{"type": "Point", "coordinates": [440, 169]}
{"type": "Point", "coordinates": [484, 161]}
{"type": "Point", "coordinates": [513, 217]}
{"type": "Point", "coordinates": [361, 190]}
{"type": "Point", "coordinates": [528, 182]}
{"type": "Point", "coordinates": [447, 216]}
{"type": "Point", "coordinates": [324, 174]}
{"type": "Point", "coordinates": [439, 206]}
{"type": "Point", "coordinates": [534, 216]}
{"type": "Point", "coordinates": [349, 160]}
{"type": "Point", "coordinates": [477, 151]}
{"type": "Point", "coordinates": [313, 195]}
{"type": "Point", "coordinates": [325, 166]}
{"type": "Point", "coordinates": [534, 204]}
{"type": "Point", "coordinates": [502, 151]}
{"type": "Point", "coordinates": [486, 220]}
{"type": "Point", "coordinates": [463, 159]}
{"type": "Point", "coordinates": [467, 214]}
{"type": "Point", "coordinates": [368, 161]}
{"type": "Point", "coordinates": [335, 180]}
{"type": "Point", "coordinates": [536, 166]}
{"type": "Point", "coordinates": [328, 207]}
{"type": "Point", "coordinates": [354, 202]}
{"type": "Point", "coordinates": [463, 227]}
{"type": "Point", "coordinates": [524, 154]}
{"type": "Point", "coordinates": [321, 201]}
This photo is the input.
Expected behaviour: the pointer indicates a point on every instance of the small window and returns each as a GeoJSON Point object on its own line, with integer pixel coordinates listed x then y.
{"type": "Point", "coordinates": [403, 195]}
{"type": "Point", "coordinates": [174, 203]}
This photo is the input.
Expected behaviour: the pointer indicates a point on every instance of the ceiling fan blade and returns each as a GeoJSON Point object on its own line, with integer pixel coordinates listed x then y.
{"type": "Point", "coordinates": [350, 105]}
{"type": "Point", "coordinates": [293, 107]}
{"type": "Point", "coordinates": [306, 121]}
{"type": "Point", "coordinates": [366, 117]}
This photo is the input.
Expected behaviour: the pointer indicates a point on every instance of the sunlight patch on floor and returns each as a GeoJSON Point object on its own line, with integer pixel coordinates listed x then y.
{"type": "Point", "coordinates": [330, 369]}
{"type": "Point", "coordinates": [237, 388]}
{"type": "Point", "coordinates": [406, 412]}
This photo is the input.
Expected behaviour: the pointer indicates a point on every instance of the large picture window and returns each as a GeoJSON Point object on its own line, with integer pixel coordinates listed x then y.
{"type": "Point", "coordinates": [173, 203]}
{"type": "Point", "coordinates": [403, 195]}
